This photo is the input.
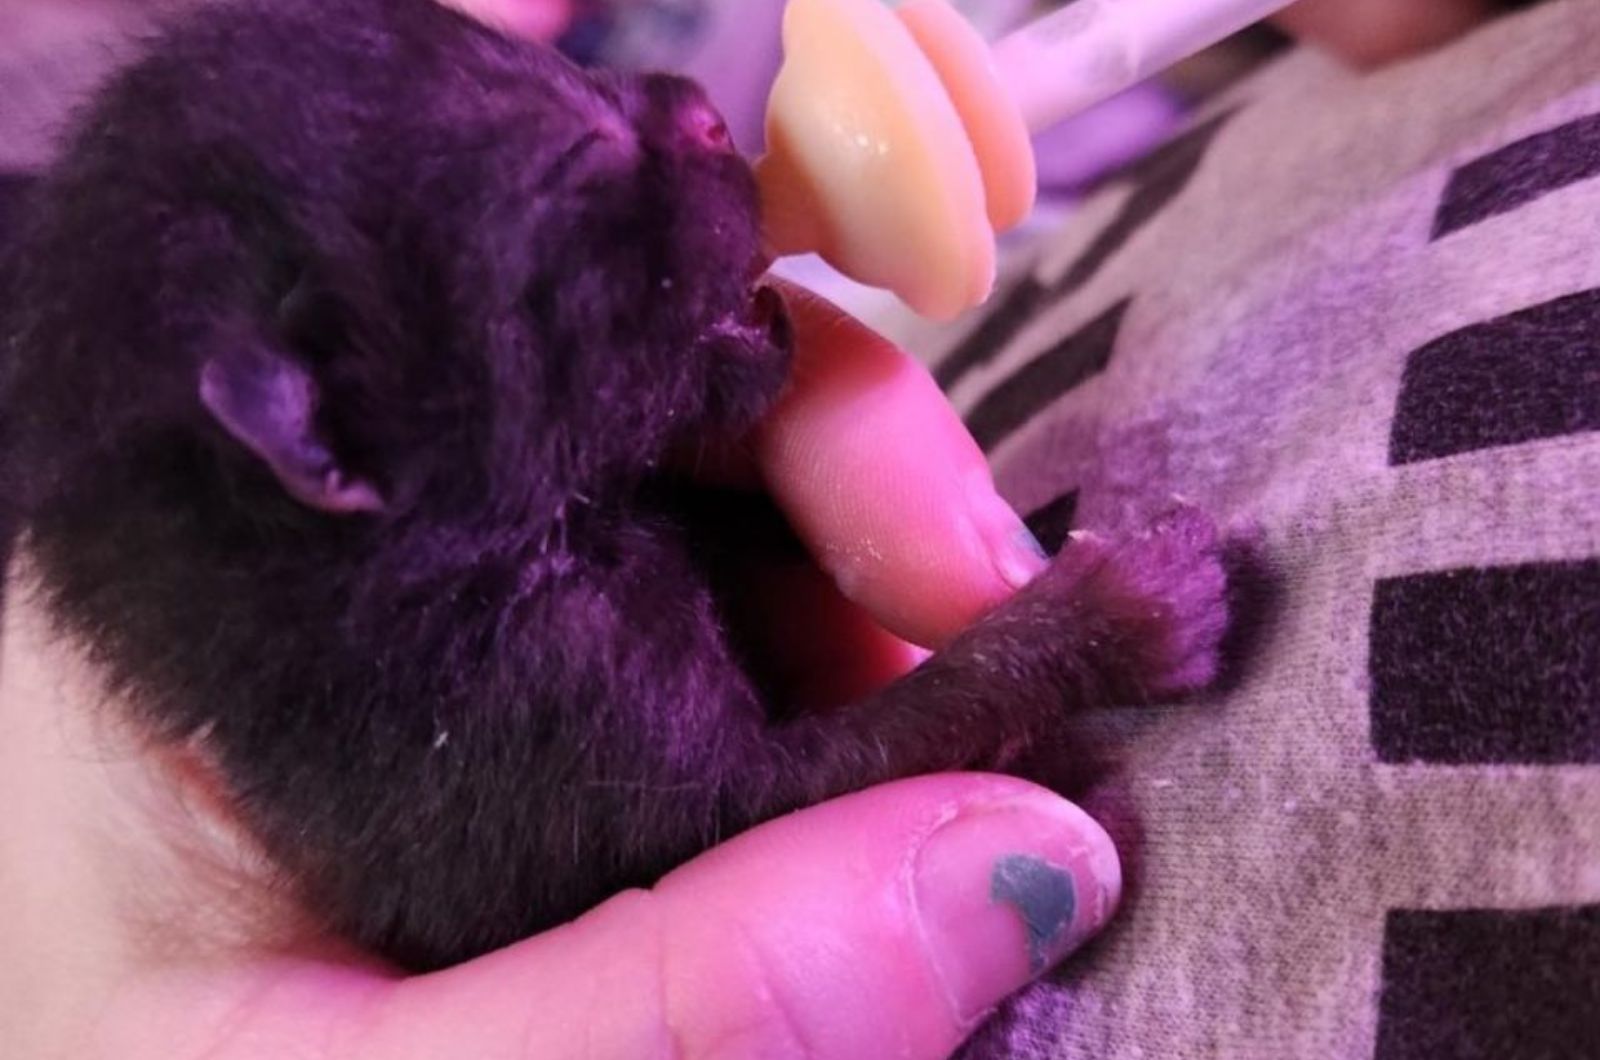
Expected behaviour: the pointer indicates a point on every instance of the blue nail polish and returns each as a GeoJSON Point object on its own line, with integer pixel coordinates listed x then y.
{"type": "Point", "coordinates": [1045, 897]}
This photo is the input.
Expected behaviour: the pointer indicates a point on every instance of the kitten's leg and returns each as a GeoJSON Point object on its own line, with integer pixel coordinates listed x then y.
{"type": "Point", "coordinates": [1105, 624]}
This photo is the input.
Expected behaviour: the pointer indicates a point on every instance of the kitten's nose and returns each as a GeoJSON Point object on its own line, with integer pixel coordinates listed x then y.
{"type": "Point", "coordinates": [684, 112]}
{"type": "Point", "coordinates": [706, 127]}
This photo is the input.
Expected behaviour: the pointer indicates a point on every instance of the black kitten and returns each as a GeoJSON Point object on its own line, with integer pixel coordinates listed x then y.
{"type": "Point", "coordinates": [347, 342]}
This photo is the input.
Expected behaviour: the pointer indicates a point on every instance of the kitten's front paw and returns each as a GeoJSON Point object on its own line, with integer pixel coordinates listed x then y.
{"type": "Point", "coordinates": [1163, 598]}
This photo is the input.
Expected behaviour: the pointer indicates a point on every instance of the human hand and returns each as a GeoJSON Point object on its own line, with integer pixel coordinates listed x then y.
{"type": "Point", "coordinates": [882, 924]}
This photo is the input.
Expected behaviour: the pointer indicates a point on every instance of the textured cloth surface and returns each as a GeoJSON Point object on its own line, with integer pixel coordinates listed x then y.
{"type": "Point", "coordinates": [1360, 317]}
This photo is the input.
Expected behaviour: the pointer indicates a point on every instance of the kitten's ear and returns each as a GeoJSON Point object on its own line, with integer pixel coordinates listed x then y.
{"type": "Point", "coordinates": [268, 404]}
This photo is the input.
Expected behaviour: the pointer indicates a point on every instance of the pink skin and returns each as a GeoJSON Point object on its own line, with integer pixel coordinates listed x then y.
{"type": "Point", "coordinates": [885, 485]}
{"type": "Point", "coordinates": [893, 499]}
{"type": "Point", "coordinates": [752, 950]}
{"type": "Point", "coordinates": [539, 20]}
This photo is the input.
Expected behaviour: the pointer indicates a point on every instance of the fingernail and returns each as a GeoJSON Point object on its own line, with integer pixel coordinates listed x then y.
{"type": "Point", "coordinates": [1018, 556]}
{"type": "Point", "coordinates": [1005, 891]}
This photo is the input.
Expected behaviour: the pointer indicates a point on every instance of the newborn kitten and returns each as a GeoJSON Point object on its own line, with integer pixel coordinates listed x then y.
{"type": "Point", "coordinates": [346, 345]}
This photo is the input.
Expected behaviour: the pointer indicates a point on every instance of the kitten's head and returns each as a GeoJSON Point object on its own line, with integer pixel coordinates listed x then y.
{"type": "Point", "coordinates": [606, 279]}
{"type": "Point", "coordinates": [334, 351]}
{"type": "Point", "coordinates": [404, 264]}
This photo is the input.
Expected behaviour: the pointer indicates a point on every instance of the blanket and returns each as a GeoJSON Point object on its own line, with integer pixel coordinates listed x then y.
{"type": "Point", "coordinates": [1359, 317]}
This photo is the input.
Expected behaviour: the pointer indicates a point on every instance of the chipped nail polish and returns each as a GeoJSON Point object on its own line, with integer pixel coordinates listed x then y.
{"type": "Point", "coordinates": [1003, 892]}
{"type": "Point", "coordinates": [1043, 895]}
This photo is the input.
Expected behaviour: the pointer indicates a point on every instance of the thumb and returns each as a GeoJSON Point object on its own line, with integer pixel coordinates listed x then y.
{"type": "Point", "coordinates": [886, 923]}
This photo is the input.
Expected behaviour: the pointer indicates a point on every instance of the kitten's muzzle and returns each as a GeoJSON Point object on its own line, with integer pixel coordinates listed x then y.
{"type": "Point", "coordinates": [682, 116]}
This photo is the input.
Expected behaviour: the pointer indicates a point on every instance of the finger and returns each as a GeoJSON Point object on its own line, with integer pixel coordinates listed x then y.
{"type": "Point", "coordinates": [1373, 32]}
{"type": "Point", "coordinates": [884, 483]}
{"type": "Point", "coordinates": [536, 20]}
{"type": "Point", "coordinates": [886, 923]}
{"type": "Point", "coordinates": [883, 924]}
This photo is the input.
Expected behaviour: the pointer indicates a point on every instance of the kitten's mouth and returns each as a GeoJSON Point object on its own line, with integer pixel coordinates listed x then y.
{"type": "Point", "coordinates": [769, 315]}
{"type": "Point", "coordinates": [761, 295]}
{"type": "Point", "coordinates": [760, 323]}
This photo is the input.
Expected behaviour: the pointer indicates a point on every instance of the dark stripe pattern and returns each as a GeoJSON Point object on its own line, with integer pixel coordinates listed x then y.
{"type": "Point", "coordinates": [1496, 666]}
{"type": "Point", "coordinates": [1080, 356]}
{"type": "Point", "coordinates": [1530, 375]}
{"type": "Point", "coordinates": [1518, 174]}
{"type": "Point", "coordinates": [1159, 178]}
{"type": "Point", "coordinates": [1490, 985]}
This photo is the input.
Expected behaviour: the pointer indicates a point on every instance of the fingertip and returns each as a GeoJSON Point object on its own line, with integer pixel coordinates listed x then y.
{"type": "Point", "coordinates": [888, 922]}
{"type": "Point", "coordinates": [1053, 881]}
{"type": "Point", "coordinates": [1016, 553]}
{"type": "Point", "coordinates": [885, 484]}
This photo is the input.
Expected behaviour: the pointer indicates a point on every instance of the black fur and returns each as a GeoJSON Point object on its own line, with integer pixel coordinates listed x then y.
{"type": "Point", "coordinates": [407, 563]}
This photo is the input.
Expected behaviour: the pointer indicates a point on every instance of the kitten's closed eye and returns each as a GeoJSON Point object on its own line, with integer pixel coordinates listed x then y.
{"type": "Point", "coordinates": [568, 161]}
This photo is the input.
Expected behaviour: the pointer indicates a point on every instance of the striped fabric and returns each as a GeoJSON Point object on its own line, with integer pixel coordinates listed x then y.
{"type": "Point", "coordinates": [1359, 316]}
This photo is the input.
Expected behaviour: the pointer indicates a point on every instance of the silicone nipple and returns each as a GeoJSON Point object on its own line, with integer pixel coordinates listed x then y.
{"type": "Point", "coordinates": [870, 160]}
{"type": "Point", "coordinates": [898, 141]}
